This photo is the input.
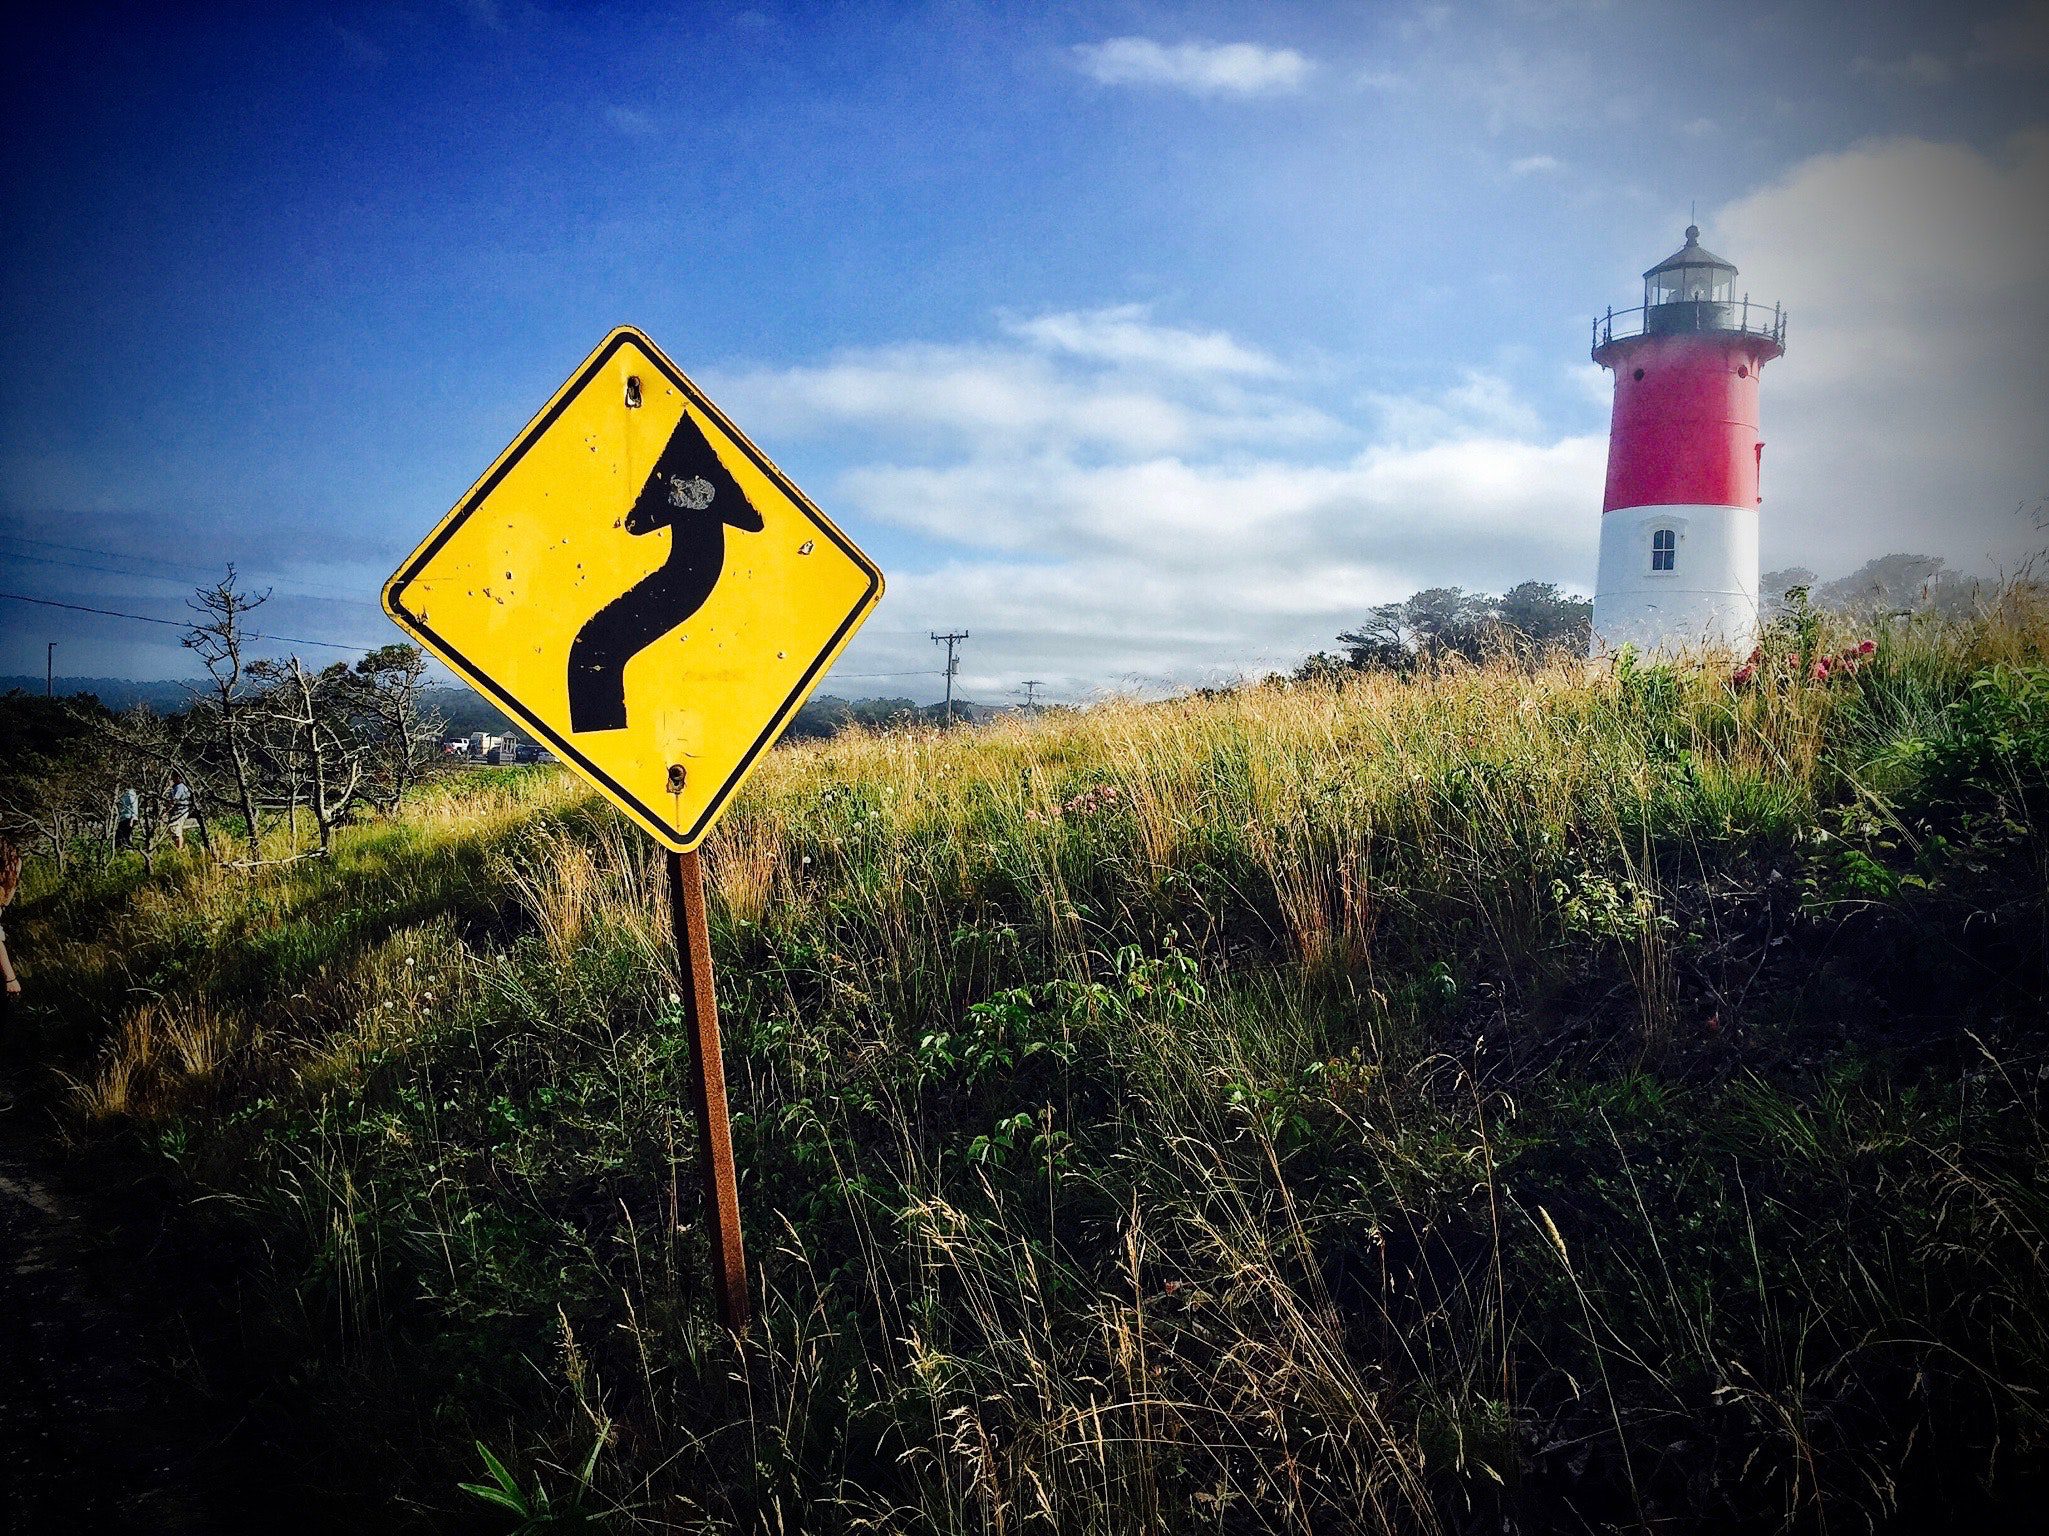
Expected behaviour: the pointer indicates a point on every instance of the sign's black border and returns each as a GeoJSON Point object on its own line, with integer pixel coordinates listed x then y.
{"type": "Point", "coordinates": [695, 397]}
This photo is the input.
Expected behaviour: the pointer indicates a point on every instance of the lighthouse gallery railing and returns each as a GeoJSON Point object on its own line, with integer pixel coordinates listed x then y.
{"type": "Point", "coordinates": [1691, 316]}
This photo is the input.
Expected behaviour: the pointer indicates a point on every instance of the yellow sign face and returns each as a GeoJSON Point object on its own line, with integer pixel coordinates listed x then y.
{"type": "Point", "coordinates": [636, 582]}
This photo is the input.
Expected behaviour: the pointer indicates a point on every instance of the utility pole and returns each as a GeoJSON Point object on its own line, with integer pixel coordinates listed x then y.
{"type": "Point", "coordinates": [1032, 685]}
{"type": "Point", "coordinates": [950, 640]}
{"type": "Point", "coordinates": [50, 670]}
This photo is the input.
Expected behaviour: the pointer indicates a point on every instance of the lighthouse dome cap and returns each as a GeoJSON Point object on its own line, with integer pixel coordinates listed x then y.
{"type": "Point", "coordinates": [1691, 254]}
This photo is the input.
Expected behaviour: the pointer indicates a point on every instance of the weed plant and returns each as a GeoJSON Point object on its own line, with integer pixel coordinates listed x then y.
{"type": "Point", "coordinates": [1524, 1096]}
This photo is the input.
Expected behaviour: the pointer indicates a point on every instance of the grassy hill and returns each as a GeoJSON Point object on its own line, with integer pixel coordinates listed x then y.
{"type": "Point", "coordinates": [1500, 1099]}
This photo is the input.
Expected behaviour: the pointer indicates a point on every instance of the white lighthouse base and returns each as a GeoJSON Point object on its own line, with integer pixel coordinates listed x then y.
{"type": "Point", "coordinates": [1706, 601]}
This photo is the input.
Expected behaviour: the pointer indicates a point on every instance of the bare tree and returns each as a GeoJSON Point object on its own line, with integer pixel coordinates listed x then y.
{"type": "Point", "coordinates": [217, 637]}
{"type": "Point", "coordinates": [151, 751]}
{"type": "Point", "coordinates": [317, 711]}
{"type": "Point", "coordinates": [404, 732]}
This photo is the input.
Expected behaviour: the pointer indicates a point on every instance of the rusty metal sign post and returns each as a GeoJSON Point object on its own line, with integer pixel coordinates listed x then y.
{"type": "Point", "coordinates": [636, 582]}
{"type": "Point", "coordinates": [708, 1089]}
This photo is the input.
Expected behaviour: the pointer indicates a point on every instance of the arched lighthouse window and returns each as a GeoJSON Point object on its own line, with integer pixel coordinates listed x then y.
{"type": "Point", "coordinates": [1664, 549]}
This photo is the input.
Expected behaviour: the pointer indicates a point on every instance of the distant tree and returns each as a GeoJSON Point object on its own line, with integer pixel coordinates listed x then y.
{"type": "Point", "coordinates": [1544, 618]}
{"type": "Point", "coordinates": [217, 637]}
{"type": "Point", "coordinates": [1450, 621]}
{"type": "Point", "coordinates": [403, 729]}
{"type": "Point", "coordinates": [1323, 667]}
{"type": "Point", "coordinates": [1383, 643]}
{"type": "Point", "coordinates": [56, 786]}
{"type": "Point", "coordinates": [1441, 622]}
{"type": "Point", "coordinates": [1901, 584]}
{"type": "Point", "coordinates": [884, 712]}
{"type": "Point", "coordinates": [1773, 588]}
{"type": "Point", "coordinates": [1427, 626]}
{"type": "Point", "coordinates": [319, 714]}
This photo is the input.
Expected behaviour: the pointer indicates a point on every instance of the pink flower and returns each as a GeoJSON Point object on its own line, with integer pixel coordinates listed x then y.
{"type": "Point", "coordinates": [1866, 647]}
{"type": "Point", "coordinates": [1821, 670]}
{"type": "Point", "coordinates": [1744, 674]}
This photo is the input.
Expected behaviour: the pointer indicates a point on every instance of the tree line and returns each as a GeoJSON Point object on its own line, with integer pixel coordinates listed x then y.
{"type": "Point", "coordinates": [1439, 623]}
{"type": "Point", "coordinates": [264, 743]}
{"type": "Point", "coordinates": [1534, 617]}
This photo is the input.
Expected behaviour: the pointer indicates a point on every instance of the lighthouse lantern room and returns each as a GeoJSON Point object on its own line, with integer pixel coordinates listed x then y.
{"type": "Point", "coordinates": [1678, 564]}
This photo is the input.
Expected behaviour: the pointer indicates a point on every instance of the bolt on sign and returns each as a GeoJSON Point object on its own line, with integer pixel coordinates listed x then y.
{"type": "Point", "coordinates": [655, 599]}
{"type": "Point", "coordinates": [638, 583]}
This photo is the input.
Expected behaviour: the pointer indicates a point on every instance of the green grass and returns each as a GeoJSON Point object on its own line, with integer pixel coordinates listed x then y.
{"type": "Point", "coordinates": [1563, 1099]}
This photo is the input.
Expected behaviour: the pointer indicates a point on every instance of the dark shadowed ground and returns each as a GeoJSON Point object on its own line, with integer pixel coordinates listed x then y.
{"type": "Point", "coordinates": [115, 1414]}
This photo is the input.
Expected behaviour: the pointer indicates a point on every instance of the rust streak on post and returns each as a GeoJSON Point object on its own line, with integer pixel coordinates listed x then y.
{"type": "Point", "coordinates": [708, 1088]}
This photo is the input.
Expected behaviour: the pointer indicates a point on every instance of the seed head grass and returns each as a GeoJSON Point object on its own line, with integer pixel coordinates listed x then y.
{"type": "Point", "coordinates": [1527, 1095]}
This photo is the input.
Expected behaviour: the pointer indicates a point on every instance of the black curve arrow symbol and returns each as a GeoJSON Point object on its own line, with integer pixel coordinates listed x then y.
{"type": "Point", "coordinates": [690, 493]}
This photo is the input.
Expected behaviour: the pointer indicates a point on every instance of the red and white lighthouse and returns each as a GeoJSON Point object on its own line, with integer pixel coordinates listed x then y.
{"type": "Point", "coordinates": [1679, 522]}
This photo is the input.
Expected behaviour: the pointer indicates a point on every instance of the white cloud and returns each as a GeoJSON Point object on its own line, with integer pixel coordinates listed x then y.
{"type": "Point", "coordinates": [1426, 20]}
{"type": "Point", "coordinates": [1914, 69]}
{"type": "Point", "coordinates": [1168, 574]}
{"type": "Point", "coordinates": [1907, 413]}
{"type": "Point", "coordinates": [1519, 88]}
{"type": "Point", "coordinates": [1202, 69]}
{"type": "Point", "coordinates": [634, 122]}
{"type": "Point", "coordinates": [1129, 503]}
{"type": "Point", "coordinates": [1403, 507]}
{"type": "Point", "coordinates": [1591, 382]}
{"type": "Point", "coordinates": [974, 397]}
{"type": "Point", "coordinates": [1481, 404]}
{"type": "Point", "coordinates": [1078, 381]}
{"type": "Point", "coordinates": [1535, 165]}
{"type": "Point", "coordinates": [1125, 334]}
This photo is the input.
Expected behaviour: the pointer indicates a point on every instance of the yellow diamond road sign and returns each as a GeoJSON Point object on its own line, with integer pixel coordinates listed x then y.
{"type": "Point", "coordinates": [636, 582]}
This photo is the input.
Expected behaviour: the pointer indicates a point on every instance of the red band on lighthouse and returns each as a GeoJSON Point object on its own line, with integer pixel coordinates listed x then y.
{"type": "Point", "coordinates": [1685, 427]}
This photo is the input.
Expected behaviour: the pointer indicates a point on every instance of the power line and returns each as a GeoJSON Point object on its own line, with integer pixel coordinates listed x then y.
{"type": "Point", "coordinates": [318, 594]}
{"type": "Point", "coordinates": [143, 618]}
{"type": "Point", "coordinates": [1032, 685]}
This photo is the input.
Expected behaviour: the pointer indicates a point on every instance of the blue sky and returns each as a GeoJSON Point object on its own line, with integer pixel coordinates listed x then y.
{"type": "Point", "coordinates": [1148, 343]}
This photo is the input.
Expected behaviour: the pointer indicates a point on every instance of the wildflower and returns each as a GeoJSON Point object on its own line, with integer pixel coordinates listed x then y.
{"type": "Point", "coordinates": [1743, 674]}
{"type": "Point", "coordinates": [1866, 647]}
{"type": "Point", "coordinates": [1820, 673]}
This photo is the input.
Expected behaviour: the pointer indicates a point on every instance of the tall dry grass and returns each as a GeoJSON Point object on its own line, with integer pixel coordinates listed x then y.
{"type": "Point", "coordinates": [1469, 1100]}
